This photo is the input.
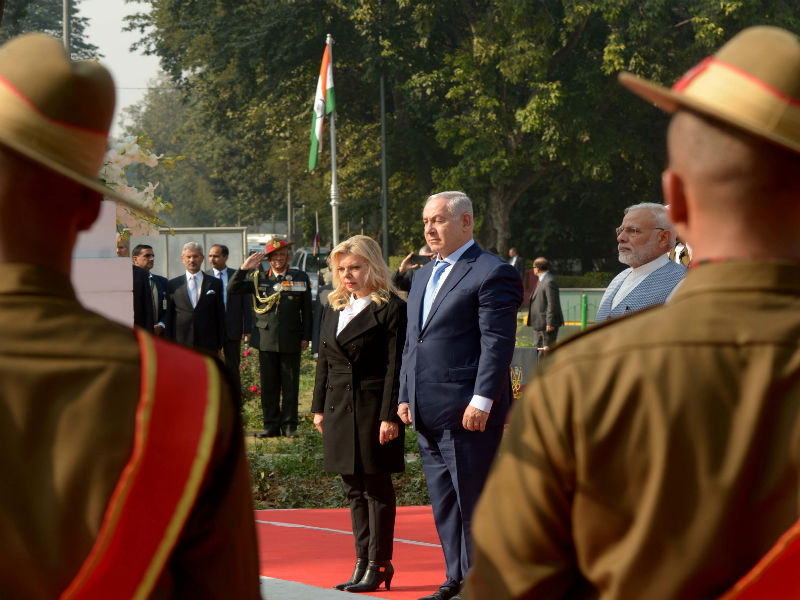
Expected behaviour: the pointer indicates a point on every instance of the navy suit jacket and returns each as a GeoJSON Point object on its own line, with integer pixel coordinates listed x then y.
{"type": "Point", "coordinates": [466, 345]}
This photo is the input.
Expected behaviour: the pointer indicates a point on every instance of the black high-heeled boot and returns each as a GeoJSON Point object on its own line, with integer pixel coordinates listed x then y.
{"type": "Point", "coordinates": [378, 572]}
{"type": "Point", "coordinates": [358, 573]}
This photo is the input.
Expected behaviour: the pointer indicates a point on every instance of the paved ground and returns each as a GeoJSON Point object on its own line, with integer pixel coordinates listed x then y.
{"type": "Point", "coordinates": [278, 589]}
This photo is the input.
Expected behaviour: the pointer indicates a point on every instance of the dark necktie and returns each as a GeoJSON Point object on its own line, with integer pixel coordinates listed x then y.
{"type": "Point", "coordinates": [154, 294]}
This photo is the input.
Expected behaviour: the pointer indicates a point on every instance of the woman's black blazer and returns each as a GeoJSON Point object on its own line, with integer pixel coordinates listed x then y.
{"type": "Point", "coordinates": [357, 385]}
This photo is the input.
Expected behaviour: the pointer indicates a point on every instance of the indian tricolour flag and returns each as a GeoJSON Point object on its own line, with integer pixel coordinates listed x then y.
{"type": "Point", "coordinates": [324, 104]}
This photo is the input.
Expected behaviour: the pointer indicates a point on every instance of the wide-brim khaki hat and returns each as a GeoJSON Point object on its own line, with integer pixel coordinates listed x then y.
{"type": "Point", "coordinates": [57, 112]}
{"type": "Point", "coordinates": [752, 83]}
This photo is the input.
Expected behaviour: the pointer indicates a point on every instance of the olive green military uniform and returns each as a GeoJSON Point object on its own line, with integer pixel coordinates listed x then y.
{"type": "Point", "coordinates": [657, 457]}
{"type": "Point", "coordinates": [69, 387]}
{"type": "Point", "coordinates": [282, 321]}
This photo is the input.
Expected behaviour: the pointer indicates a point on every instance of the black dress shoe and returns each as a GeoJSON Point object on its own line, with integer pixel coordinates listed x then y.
{"type": "Point", "coordinates": [268, 434]}
{"type": "Point", "coordinates": [290, 433]}
{"type": "Point", "coordinates": [446, 592]}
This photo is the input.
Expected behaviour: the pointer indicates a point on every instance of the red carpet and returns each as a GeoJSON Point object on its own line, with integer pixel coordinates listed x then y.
{"type": "Point", "coordinates": [316, 547]}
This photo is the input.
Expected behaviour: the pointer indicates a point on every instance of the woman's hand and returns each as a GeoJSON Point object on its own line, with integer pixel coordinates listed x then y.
{"type": "Point", "coordinates": [318, 421]}
{"type": "Point", "coordinates": [389, 431]}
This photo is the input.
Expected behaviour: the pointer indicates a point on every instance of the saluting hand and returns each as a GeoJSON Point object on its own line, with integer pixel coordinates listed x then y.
{"type": "Point", "coordinates": [253, 261]}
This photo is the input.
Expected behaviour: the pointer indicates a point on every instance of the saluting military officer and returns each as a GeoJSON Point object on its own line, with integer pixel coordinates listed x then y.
{"type": "Point", "coordinates": [282, 305]}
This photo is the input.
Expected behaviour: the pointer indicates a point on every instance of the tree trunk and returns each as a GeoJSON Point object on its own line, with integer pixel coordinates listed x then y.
{"type": "Point", "coordinates": [501, 200]}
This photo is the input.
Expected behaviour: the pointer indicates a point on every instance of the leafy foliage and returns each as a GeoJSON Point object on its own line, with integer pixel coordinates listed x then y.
{"type": "Point", "coordinates": [515, 102]}
{"type": "Point", "coordinates": [23, 16]}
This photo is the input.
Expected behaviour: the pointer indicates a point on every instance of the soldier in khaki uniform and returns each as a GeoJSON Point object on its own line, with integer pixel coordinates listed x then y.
{"type": "Point", "coordinates": [657, 457]}
{"type": "Point", "coordinates": [282, 305]}
{"type": "Point", "coordinates": [88, 411]}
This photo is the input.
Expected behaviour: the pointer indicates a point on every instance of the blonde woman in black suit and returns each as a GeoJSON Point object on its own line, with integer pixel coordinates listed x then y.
{"type": "Point", "coordinates": [355, 400]}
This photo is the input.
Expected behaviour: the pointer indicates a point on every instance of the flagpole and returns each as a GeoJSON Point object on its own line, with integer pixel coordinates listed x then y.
{"type": "Point", "coordinates": [289, 210]}
{"type": "Point", "coordinates": [66, 31]}
{"type": "Point", "coordinates": [384, 185]}
{"type": "Point", "coordinates": [334, 183]}
{"type": "Point", "coordinates": [316, 226]}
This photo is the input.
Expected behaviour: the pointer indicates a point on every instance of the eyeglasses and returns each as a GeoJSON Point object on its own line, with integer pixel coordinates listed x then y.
{"type": "Point", "coordinates": [634, 231]}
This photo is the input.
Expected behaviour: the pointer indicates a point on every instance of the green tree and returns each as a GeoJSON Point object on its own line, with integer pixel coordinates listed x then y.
{"type": "Point", "coordinates": [22, 16]}
{"type": "Point", "coordinates": [515, 102]}
{"type": "Point", "coordinates": [212, 184]}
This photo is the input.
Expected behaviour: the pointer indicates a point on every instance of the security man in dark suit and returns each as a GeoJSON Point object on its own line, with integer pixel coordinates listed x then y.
{"type": "Point", "coordinates": [282, 303]}
{"type": "Point", "coordinates": [238, 312]}
{"type": "Point", "coordinates": [149, 292]}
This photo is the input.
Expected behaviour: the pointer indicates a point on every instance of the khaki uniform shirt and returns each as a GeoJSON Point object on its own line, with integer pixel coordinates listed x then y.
{"type": "Point", "coordinates": [69, 386]}
{"type": "Point", "coordinates": [655, 457]}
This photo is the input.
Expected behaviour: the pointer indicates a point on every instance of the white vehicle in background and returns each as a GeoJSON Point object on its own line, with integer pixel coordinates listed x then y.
{"type": "Point", "coordinates": [311, 264]}
{"type": "Point", "coordinates": [257, 242]}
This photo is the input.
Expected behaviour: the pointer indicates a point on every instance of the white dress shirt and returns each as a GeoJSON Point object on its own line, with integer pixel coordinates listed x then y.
{"type": "Point", "coordinates": [349, 312]}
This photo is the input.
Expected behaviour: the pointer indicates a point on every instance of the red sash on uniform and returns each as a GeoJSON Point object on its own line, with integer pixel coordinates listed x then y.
{"type": "Point", "coordinates": [176, 425]}
{"type": "Point", "coordinates": [776, 576]}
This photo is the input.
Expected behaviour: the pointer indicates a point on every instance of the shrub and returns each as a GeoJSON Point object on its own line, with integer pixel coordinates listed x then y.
{"type": "Point", "coordinates": [592, 279]}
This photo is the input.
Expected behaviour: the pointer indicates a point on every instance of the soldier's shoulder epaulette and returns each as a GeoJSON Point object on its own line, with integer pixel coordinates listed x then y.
{"type": "Point", "coordinates": [598, 327]}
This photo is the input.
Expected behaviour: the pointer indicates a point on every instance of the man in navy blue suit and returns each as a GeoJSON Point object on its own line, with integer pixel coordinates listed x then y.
{"type": "Point", "coordinates": [454, 381]}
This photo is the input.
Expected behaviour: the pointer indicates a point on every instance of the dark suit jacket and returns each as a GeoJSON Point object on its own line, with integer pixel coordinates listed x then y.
{"type": "Point", "coordinates": [545, 305]}
{"type": "Point", "coordinates": [465, 347]}
{"type": "Point", "coordinates": [202, 326]}
{"type": "Point", "coordinates": [238, 312]}
{"type": "Point", "coordinates": [357, 385]}
{"type": "Point", "coordinates": [519, 264]}
{"type": "Point", "coordinates": [143, 299]}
